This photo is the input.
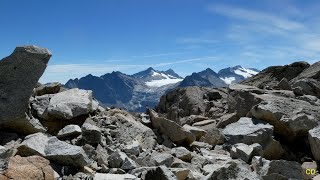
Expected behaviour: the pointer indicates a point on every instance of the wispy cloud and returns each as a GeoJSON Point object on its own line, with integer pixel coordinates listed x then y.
{"type": "Point", "coordinates": [256, 16]}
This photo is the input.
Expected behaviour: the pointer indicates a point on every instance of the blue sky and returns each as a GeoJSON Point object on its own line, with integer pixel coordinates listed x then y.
{"type": "Point", "coordinates": [102, 36]}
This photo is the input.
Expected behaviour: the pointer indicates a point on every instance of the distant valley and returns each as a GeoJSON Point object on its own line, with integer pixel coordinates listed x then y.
{"type": "Point", "coordinates": [143, 89]}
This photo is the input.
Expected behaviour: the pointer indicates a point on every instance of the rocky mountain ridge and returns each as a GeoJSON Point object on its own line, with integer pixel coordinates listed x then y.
{"type": "Point", "coordinates": [194, 133]}
{"type": "Point", "coordinates": [143, 89]}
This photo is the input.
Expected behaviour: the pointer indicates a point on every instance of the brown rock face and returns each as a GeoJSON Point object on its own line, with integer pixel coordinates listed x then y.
{"type": "Point", "coordinates": [29, 168]}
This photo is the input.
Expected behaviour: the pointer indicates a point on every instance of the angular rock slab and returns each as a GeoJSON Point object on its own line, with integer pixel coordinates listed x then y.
{"type": "Point", "coordinates": [19, 74]}
{"type": "Point", "coordinates": [171, 129]}
{"type": "Point", "coordinates": [291, 118]}
{"type": "Point", "coordinates": [248, 131]}
{"type": "Point", "coordinates": [65, 154]}
{"type": "Point", "coordinates": [33, 144]}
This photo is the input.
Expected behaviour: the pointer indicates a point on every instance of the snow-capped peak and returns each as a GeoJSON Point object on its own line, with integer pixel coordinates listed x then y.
{"type": "Point", "coordinates": [246, 73]}
{"type": "Point", "coordinates": [236, 74]}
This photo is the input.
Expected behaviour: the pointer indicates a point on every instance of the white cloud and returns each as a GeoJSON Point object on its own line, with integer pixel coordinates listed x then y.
{"type": "Point", "coordinates": [256, 16]}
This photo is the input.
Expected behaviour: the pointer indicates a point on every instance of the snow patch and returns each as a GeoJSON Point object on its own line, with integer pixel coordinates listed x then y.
{"type": "Point", "coordinates": [246, 73]}
{"type": "Point", "coordinates": [162, 82]}
{"type": "Point", "coordinates": [228, 80]}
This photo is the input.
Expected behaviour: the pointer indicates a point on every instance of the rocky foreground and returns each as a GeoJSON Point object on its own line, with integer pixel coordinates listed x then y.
{"type": "Point", "coordinates": [265, 128]}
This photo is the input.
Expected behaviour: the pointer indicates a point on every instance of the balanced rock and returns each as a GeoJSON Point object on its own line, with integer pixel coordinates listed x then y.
{"type": "Point", "coordinates": [19, 74]}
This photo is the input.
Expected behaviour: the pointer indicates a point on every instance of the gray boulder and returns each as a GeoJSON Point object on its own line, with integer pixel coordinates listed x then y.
{"type": "Point", "coordinates": [133, 148]}
{"type": "Point", "coordinates": [197, 132]}
{"type": "Point", "coordinates": [248, 131]}
{"type": "Point", "coordinates": [242, 98]}
{"type": "Point", "coordinates": [214, 137]}
{"type": "Point", "coordinates": [284, 85]}
{"type": "Point", "coordinates": [290, 117]}
{"type": "Point", "coordinates": [171, 129]}
{"type": "Point", "coordinates": [163, 159]}
{"type": "Point", "coordinates": [19, 74]}
{"type": "Point", "coordinates": [33, 144]}
{"type": "Point", "coordinates": [129, 129]}
{"type": "Point", "coordinates": [91, 133]}
{"type": "Point", "coordinates": [39, 105]}
{"type": "Point", "coordinates": [182, 153]}
{"type": "Point", "coordinates": [119, 159]}
{"type": "Point", "coordinates": [69, 131]}
{"type": "Point", "coordinates": [50, 88]}
{"type": "Point", "coordinates": [65, 154]}
{"type": "Point", "coordinates": [231, 170]}
{"type": "Point", "coordinates": [308, 81]}
{"type": "Point", "coordinates": [70, 104]}
{"type": "Point", "coordinates": [246, 152]}
{"type": "Point", "coordinates": [280, 169]}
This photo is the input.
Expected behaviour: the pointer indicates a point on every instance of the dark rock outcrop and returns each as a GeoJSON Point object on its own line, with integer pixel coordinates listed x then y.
{"type": "Point", "coordinates": [19, 74]}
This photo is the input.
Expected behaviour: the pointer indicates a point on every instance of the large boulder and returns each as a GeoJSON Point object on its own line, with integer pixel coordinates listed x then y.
{"type": "Point", "coordinates": [242, 98]}
{"type": "Point", "coordinates": [63, 153]}
{"type": "Point", "coordinates": [32, 167]}
{"type": "Point", "coordinates": [33, 144]}
{"type": "Point", "coordinates": [308, 81]}
{"type": "Point", "coordinates": [19, 74]}
{"type": "Point", "coordinates": [231, 170]}
{"type": "Point", "coordinates": [129, 129]}
{"type": "Point", "coordinates": [279, 169]}
{"type": "Point", "coordinates": [70, 104]}
{"type": "Point", "coordinates": [91, 133]}
{"type": "Point", "coordinates": [214, 137]}
{"type": "Point", "coordinates": [248, 131]}
{"type": "Point", "coordinates": [291, 118]}
{"type": "Point", "coordinates": [121, 160]}
{"type": "Point", "coordinates": [171, 129]}
{"type": "Point", "coordinates": [183, 102]}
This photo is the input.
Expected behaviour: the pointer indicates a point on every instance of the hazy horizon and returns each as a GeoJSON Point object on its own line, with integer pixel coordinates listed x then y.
{"type": "Point", "coordinates": [99, 37]}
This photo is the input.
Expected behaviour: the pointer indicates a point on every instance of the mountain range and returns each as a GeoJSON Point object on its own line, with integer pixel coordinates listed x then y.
{"type": "Point", "coordinates": [143, 89]}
